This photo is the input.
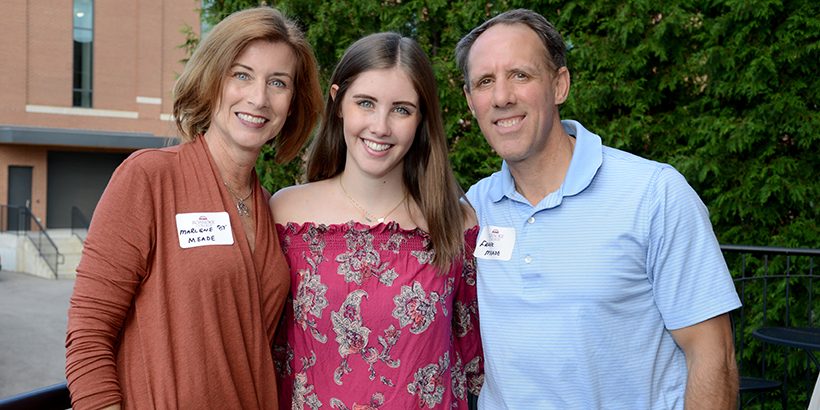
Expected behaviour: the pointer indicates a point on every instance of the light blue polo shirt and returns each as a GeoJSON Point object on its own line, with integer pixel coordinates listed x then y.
{"type": "Point", "coordinates": [577, 318]}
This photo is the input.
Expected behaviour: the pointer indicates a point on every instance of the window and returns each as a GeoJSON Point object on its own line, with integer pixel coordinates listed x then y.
{"type": "Point", "coordinates": [83, 52]}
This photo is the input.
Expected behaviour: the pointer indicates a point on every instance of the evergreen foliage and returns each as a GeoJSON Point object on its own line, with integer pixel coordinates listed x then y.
{"type": "Point", "coordinates": [727, 91]}
{"type": "Point", "coordinates": [724, 90]}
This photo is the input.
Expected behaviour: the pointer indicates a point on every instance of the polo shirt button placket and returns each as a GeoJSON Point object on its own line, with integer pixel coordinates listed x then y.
{"type": "Point", "coordinates": [531, 220]}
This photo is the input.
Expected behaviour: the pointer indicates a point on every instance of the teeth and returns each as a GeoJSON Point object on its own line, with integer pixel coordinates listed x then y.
{"type": "Point", "coordinates": [508, 123]}
{"type": "Point", "coordinates": [250, 118]}
{"type": "Point", "coordinates": [376, 147]}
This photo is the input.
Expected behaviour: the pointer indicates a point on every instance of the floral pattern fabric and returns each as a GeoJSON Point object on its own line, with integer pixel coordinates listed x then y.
{"type": "Point", "coordinates": [371, 325]}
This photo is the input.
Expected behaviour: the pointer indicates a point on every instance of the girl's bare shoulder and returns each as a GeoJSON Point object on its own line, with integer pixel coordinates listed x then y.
{"type": "Point", "coordinates": [302, 203]}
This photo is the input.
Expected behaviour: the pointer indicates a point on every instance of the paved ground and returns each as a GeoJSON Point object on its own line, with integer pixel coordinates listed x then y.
{"type": "Point", "coordinates": [33, 319]}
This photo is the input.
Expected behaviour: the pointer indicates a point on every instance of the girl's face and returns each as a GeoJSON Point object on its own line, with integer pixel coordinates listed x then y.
{"type": "Point", "coordinates": [380, 112]}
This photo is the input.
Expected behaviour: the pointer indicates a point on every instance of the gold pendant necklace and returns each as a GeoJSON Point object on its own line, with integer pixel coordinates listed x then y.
{"type": "Point", "coordinates": [367, 215]}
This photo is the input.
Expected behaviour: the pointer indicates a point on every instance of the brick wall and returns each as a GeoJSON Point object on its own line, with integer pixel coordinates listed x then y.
{"type": "Point", "coordinates": [135, 55]}
{"type": "Point", "coordinates": [136, 62]}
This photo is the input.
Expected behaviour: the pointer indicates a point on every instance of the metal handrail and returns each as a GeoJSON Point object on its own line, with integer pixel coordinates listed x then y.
{"type": "Point", "coordinates": [79, 225]}
{"type": "Point", "coordinates": [55, 397]}
{"type": "Point", "coordinates": [39, 238]}
{"type": "Point", "coordinates": [4, 218]}
{"type": "Point", "coordinates": [777, 250]}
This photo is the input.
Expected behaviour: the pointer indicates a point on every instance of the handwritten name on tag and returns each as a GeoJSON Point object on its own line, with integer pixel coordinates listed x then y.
{"type": "Point", "coordinates": [203, 229]}
{"type": "Point", "coordinates": [495, 243]}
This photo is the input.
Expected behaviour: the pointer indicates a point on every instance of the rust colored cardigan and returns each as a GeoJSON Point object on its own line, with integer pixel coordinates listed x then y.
{"type": "Point", "coordinates": [155, 326]}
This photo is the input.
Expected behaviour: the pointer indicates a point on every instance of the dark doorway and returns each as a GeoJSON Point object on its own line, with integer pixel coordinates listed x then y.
{"type": "Point", "coordinates": [77, 179]}
{"type": "Point", "coordinates": [20, 195]}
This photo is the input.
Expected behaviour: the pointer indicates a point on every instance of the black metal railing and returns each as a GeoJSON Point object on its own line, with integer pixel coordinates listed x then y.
{"type": "Point", "coordinates": [777, 287]}
{"type": "Point", "coordinates": [45, 246]}
{"type": "Point", "coordinates": [20, 219]}
{"type": "Point", "coordinates": [79, 225]}
{"type": "Point", "coordinates": [13, 218]}
{"type": "Point", "coordinates": [54, 397]}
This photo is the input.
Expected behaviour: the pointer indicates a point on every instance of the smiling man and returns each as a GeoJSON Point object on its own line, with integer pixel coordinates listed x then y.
{"type": "Point", "coordinates": [600, 281]}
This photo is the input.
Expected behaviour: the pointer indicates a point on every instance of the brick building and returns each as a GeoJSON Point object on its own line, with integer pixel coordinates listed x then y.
{"type": "Point", "coordinates": [84, 83]}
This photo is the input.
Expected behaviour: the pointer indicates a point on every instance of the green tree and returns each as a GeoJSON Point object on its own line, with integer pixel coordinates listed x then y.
{"type": "Point", "coordinates": [724, 90]}
{"type": "Point", "coordinates": [727, 91]}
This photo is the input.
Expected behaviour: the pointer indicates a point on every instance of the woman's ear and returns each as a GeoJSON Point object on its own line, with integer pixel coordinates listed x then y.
{"type": "Point", "coordinates": [333, 90]}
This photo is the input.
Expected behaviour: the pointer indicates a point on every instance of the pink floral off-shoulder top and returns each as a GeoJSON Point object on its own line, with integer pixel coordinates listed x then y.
{"type": "Point", "coordinates": [370, 324]}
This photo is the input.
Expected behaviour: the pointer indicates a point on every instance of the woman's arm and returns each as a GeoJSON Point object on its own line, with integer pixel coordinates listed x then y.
{"type": "Point", "coordinates": [113, 263]}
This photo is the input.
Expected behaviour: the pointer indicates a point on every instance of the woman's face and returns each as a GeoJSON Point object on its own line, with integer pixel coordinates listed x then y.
{"type": "Point", "coordinates": [380, 112]}
{"type": "Point", "coordinates": [256, 96]}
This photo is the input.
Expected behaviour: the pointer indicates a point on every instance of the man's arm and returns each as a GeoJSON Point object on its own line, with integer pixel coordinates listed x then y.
{"type": "Point", "coordinates": [712, 379]}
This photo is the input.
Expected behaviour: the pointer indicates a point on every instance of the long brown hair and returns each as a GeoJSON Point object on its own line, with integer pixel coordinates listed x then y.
{"type": "Point", "coordinates": [199, 88]}
{"type": "Point", "coordinates": [427, 173]}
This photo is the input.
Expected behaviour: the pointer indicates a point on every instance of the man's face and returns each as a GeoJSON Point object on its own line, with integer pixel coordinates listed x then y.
{"type": "Point", "coordinates": [513, 92]}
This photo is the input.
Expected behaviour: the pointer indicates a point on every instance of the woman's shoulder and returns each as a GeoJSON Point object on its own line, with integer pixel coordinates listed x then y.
{"type": "Point", "coordinates": [298, 203]}
{"type": "Point", "coordinates": [155, 162]}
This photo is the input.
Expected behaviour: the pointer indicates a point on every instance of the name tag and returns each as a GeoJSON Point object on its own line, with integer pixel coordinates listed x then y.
{"type": "Point", "coordinates": [204, 228]}
{"type": "Point", "coordinates": [495, 243]}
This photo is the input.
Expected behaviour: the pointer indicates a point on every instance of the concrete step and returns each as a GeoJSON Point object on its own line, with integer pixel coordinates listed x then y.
{"type": "Point", "coordinates": [71, 247]}
{"type": "Point", "coordinates": [20, 254]}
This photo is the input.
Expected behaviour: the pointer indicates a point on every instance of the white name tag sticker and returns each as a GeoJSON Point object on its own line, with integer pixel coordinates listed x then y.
{"type": "Point", "coordinates": [203, 229]}
{"type": "Point", "coordinates": [495, 243]}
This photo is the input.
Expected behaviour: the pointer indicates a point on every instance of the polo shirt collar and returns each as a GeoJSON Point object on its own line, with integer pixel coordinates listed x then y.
{"type": "Point", "coordinates": [586, 160]}
{"type": "Point", "coordinates": [502, 185]}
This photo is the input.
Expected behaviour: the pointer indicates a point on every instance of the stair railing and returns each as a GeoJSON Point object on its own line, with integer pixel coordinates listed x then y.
{"type": "Point", "coordinates": [20, 219]}
{"type": "Point", "coordinates": [79, 224]}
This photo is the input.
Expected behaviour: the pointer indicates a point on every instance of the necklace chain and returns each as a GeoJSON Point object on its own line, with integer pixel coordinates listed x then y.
{"type": "Point", "coordinates": [364, 211]}
{"type": "Point", "coordinates": [240, 206]}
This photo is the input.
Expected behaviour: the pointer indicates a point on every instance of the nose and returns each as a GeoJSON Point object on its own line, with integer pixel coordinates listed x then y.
{"type": "Point", "coordinates": [380, 126]}
{"type": "Point", "coordinates": [258, 94]}
{"type": "Point", "coordinates": [503, 94]}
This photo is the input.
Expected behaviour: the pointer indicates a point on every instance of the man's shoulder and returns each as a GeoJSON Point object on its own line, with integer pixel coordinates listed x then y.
{"type": "Point", "coordinates": [484, 183]}
{"type": "Point", "coordinates": [621, 164]}
{"type": "Point", "coordinates": [628, 160]}
{"type": "Point", "coordinates": [481, 188]}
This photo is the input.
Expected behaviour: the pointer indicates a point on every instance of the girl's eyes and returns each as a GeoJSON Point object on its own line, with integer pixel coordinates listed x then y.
{"type": "Point", "coordinates": [277, 83]}
{"type": "Point", "coordinates": [241, 76]}
{"type": "Point", "coordinates": [370, 104]}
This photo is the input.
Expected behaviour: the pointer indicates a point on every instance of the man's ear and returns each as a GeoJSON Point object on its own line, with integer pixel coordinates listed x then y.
{"type": "Point", "coordinates": [561, 85]}
{"type": "Point", "coordinates": [469, 99]}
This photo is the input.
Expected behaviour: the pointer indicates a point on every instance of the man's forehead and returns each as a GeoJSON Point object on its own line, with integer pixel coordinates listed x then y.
{"type": "Point", "coordinates": [506, 41]}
